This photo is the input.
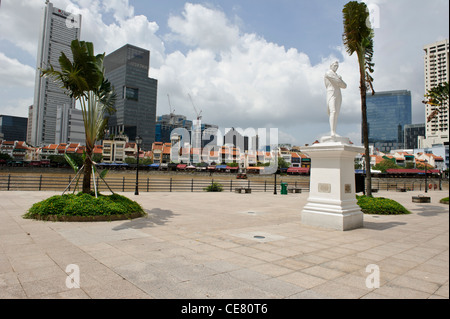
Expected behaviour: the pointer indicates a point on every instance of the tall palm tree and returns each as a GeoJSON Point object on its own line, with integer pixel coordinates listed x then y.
{"type": "Point", "coordinates": [358, 37]}
{"type": "Point", "coordinates": [84, 80]}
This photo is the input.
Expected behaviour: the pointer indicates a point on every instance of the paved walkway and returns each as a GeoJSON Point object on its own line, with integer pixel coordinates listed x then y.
{"type": "Point", "coordinates": [224, 245]}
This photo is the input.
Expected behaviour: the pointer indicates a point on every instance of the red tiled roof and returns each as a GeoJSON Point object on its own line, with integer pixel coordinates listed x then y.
{"type": "Point", "coordinates": [50, 147]}
{"type": "Point", "coordinates": [157, 146]}
{"type": "Point", "coordinates": [98, 149]}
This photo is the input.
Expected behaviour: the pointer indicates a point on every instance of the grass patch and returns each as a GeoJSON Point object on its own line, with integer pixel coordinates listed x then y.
{"type": "Point", "coordinates": [81, 207]}
{"type": "Point", "coordinates": [214, 187]}
{"type": "Point", "coordinates": [444, 200]}
{"type": "Point", "coordinates": [380, 206]}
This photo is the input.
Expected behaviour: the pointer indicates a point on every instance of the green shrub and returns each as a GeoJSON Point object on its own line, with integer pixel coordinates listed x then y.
{"type": "Point", "coordinates": [214, 187]}
{"type": "Point", "coordinates": [83, 205]}
{"type": "Point", "coordinates": [380, 206]}
{"type": "Point", "coordinates": [444, 200]}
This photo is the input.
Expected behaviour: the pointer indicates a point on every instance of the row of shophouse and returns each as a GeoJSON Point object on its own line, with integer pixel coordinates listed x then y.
{"type": "Point", "coordinates": [162, 154]}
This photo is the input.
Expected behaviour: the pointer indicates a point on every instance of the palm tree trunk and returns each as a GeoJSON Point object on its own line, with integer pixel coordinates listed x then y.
{"type": "Point", "coordinates": [87, 172]}
{"type": "Point", "coordinates": [365, 128]}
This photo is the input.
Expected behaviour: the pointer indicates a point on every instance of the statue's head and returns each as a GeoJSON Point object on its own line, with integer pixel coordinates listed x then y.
{"type": "Point", "coordinates": [334, 66]}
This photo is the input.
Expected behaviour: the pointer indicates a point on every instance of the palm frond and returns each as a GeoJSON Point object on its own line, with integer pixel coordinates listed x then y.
{"type": "Point", "coordinates": [71, 162]}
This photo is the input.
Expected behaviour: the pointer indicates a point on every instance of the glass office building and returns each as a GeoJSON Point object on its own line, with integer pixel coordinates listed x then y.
{"type": "Point", "coordinates": [14, 128]}
{"type": "Point", "coordinates": [411, 134]}
{"type": "Point", "coordinates": [387, 114]}
{"type": "Point", "coordinates": [127, 69]}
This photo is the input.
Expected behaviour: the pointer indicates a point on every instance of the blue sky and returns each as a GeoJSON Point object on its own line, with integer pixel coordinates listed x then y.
{"type": "Point", "coordinates": [291, 23]}
{"type": "Point", "coordinates": [247, 63]}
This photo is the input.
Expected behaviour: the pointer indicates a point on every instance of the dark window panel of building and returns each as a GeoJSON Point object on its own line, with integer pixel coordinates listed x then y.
{"type": "Point", "coordinates": [14, 128]}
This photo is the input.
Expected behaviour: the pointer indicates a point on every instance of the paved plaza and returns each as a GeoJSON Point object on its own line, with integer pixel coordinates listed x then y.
{"type": "Point", "coordinates": [224, 246]}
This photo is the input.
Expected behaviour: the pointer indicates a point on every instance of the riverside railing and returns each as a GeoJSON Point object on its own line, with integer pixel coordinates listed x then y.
{"type": "Point", "coordinates": [149, 184]}
{"type": "Point", "coordinates": [146, 184]}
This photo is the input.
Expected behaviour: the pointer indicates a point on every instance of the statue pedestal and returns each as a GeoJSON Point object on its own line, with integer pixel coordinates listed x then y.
{"type": "Point", "coordinates": [332, 200]}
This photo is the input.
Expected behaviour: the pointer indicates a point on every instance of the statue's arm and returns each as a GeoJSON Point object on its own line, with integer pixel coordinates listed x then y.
{"type": "Point", "coordinates": [336, 80]}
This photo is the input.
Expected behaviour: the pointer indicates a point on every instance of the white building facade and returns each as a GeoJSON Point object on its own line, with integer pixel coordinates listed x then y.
{"type": "Point", "coordinates": [436, 63]}
{"type": "Point", "coordinates": [59, 29]}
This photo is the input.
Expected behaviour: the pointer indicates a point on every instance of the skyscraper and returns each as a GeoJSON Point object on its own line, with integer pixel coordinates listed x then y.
{"type": "Point", "coordinates": [127, 69]}
{"type": "Point", "coordinates": [59, 29]}
{"type": "Point", "coordinates": [436, 63]}
{"type": "Point", "coordinates": [411, 134]}
{"type": "Point", "coordinates": [387, 114]}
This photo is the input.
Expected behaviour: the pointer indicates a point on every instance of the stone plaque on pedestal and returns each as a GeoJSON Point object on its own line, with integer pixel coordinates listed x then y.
{"type": "Point", "coordinates": [332, 200]}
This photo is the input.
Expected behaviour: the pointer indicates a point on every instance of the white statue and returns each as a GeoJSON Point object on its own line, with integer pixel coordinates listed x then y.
{"type": "Point", "coordinates": [334, 84]}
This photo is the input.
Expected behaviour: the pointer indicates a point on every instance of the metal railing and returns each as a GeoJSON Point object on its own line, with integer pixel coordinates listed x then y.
{"type": "Point", "coordinates": [146, 184]}
{"type": "Point", "coordinates": [405, 185]}
{"type": "Point", "coordinates": [150, 184]}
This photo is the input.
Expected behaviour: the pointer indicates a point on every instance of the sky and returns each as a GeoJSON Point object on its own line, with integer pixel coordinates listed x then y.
{"type": "Point", "coordinates": [249, 64]}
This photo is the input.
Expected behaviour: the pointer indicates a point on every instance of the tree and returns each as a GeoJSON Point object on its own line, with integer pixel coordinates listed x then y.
{"type": "Point", "coordinates": [358, 38]}
{"type": "Point", "coordinates": [282, 163]}
{"type": "Point", "coordinates": [438, 98]}
{"type": "Point", "coordinates": [84, 81]}
{"type": "Point", "coordinates": [386, 164]}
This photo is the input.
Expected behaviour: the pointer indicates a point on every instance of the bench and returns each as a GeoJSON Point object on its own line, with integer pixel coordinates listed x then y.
{"type": "Point", "coordinates": [294, 190]}
{"type": "Point", "coordinates": [421, 199]}
{"type": "Point", "coordinates": [403, 190]}
{"type": "Point", "coordinates": [242, 189]}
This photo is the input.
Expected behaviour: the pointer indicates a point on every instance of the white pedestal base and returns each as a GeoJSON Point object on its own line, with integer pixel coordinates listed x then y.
{"type": "Point", "coordinates": [332, 201]}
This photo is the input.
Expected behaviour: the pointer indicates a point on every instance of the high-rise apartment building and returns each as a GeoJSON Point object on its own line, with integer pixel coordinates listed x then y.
{"type": "Point", "coordinates": [127, 69]}
{"type": "Point", "coordinates": [436, 62]}
{"type": "Point", "coordinates": [387, 114]}
{"type": "Point", "coordinates": [59, 29]}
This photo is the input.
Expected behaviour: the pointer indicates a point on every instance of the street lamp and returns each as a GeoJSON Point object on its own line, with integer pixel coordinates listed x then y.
{"type": "Point", "coordinates": [138, 144]}
{"type": "Point", "coordinates": [426, 181]}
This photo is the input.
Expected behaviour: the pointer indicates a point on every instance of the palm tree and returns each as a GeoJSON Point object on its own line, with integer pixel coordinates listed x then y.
{"type": "Point", "coordinates": [437, 97]}
{"type": "Point", "coordinates": [84, 80]}
{"type": "Point", "coordinates": [358, 37]}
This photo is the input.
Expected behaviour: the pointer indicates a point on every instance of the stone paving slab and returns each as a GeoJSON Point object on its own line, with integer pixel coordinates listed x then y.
{"type": "Point", "coordinates": [224, 246]}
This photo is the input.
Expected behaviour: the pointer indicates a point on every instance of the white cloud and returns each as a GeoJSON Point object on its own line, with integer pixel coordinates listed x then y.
{"type": "Point", "coordinates": [126, 28]}
{"type": "Point", "coordinates": [203, 27]}
{"type": "Point", "coordinates": [15, 74]}
{"type": "Point", "coordinates": [16, 106]}
{"type": "Point", "coordinates": [20, 22]}
{"type": "Point", "coordinates": [121, 9]}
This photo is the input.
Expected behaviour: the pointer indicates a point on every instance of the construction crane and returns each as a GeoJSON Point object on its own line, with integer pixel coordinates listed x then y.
{"type": "Point", "coordinates": [172, 111]}
{"type": "Point", "coordinates": [199, 117]}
